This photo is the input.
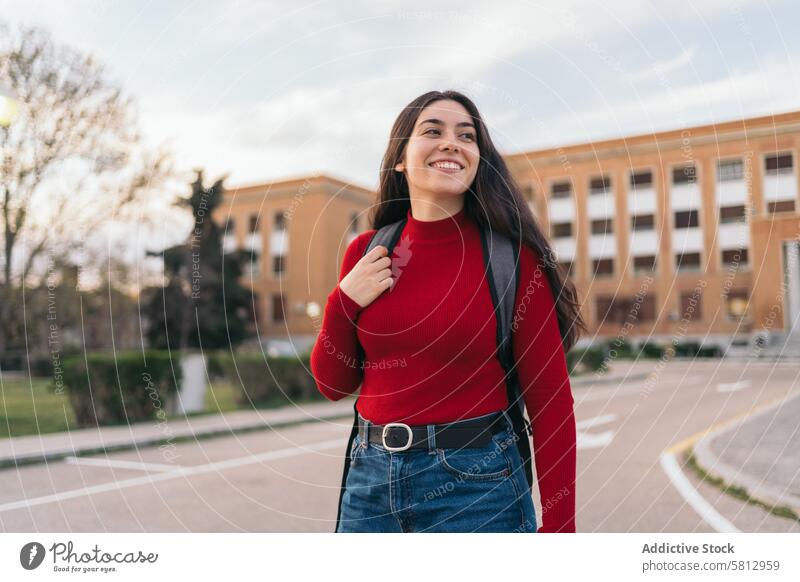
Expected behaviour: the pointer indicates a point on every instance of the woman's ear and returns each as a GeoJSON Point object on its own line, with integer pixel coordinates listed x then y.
{"type": "Point", "coordinates": [399, 167]}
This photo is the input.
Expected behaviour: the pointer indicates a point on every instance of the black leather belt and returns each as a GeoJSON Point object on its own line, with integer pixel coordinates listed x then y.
{"type": "Point", "coordinates": [469, 433]}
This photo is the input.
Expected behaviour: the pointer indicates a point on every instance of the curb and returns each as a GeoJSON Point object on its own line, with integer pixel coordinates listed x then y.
{"type": "Point", "coordinates": [189, 434]}
{"type": "Point", "coordinates": [581, 381]}
{"type": "Point", "coordinates": [152, 441]}
{"type": "Point", "coordinates": [715, 467]}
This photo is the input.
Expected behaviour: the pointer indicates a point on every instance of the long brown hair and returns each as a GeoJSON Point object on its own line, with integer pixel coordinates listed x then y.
{"type": "Point", "coordinates": [493, 199]}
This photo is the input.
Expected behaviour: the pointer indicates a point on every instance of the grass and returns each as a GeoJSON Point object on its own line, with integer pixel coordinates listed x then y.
{"type": "Point", "coordinates": [30, 407]}
{"type": "Point", "coordinates": [738, 492]}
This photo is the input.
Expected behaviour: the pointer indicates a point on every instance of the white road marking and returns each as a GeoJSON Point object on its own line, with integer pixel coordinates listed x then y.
{"type": "Point", "coordinates": [120, 464]}
{"type": "Point", "coordinates": [595, 420]}
{"type": "Point", "coordinates": [168, 475]}
{"type": "Point", "coordinates": [587, 440]}
{"type": "Point", "coordinates": [734, 387]}
{"type": "Point", "coordinates": [704, 509]}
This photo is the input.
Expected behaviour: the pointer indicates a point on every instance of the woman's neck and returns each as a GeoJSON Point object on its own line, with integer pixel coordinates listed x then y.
{"type": "Point", "coordinates": [426, 210]}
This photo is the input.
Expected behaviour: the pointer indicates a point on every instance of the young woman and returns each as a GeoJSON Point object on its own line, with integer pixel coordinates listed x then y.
{"type": "Point", "coordinates": [426, 323]}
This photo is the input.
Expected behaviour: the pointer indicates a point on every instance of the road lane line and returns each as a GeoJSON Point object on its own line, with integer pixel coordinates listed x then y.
{"type": "Point", "coordinates": [704, 509]}
{"type": "Point", "coordinates": [166, 476]}
{"type": "Point", "coordinates": [120, 464]}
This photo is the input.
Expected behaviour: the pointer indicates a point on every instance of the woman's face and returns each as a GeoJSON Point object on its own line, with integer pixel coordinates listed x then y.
{"type": "Point", "coordinates": [441, 156]}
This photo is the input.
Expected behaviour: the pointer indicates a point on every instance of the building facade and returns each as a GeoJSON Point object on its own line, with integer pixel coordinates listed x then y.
{"type": "Point", "coordinates": [298, 231]}
{"type": "Point", "coordinates": [683, 235]}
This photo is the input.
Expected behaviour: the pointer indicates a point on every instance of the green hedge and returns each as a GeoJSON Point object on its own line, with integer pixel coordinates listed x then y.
{"type": "Point", "coordinates": [584, 360]}
{"type": "Point", "coordinates": [123, 387]}
{"type": "Point", "coordinates": [268, 381]}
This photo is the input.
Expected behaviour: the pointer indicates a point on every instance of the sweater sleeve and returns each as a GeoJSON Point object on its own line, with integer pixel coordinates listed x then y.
{"type": "Point", "coordinates": [546, 390]}
{"type": "Point", "coordinates": [334, 358]}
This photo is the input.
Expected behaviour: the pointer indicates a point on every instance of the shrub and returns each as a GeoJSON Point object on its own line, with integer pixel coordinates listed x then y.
{"type": "Point", "coordinates": [651, 350]}
{"type": "Point", "coordinates": [585, 360]}
{"type": "Point", "coordinates": [122, 387]}
{"type": "Point", "coordinates": [267, 380]}
{"type": "Point", "coordinates": [619, 349]}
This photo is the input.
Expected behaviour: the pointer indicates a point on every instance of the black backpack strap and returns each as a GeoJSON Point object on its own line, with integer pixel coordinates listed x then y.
{"type": "Point", "coordinates": [387, 236]}
{"type": "Point", "coordinates": [501, 257]}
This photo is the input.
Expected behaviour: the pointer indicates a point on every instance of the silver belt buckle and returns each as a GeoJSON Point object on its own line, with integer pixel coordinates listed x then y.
{"type": "Point", "coordinates": [396, 449]}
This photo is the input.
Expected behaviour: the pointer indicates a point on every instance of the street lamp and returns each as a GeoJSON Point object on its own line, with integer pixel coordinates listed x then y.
{"type": "Point", "coordinates": [9, 106]}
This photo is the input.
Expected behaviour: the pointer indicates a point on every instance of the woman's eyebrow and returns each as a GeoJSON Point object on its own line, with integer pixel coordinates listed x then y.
{"type": "Point", "coordinates": [440, 122]}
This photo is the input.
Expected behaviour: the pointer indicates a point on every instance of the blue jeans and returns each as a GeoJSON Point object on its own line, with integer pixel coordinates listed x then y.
{"type": "Point", "coordinates": [481, 489]}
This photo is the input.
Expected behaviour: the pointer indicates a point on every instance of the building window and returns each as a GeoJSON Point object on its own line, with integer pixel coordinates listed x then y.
{"type": "Point", "coordinates": [737, 304]}
{"type": "Point", "coordinates": [730, 214]}
{"type": "Point", "coordinates": [280, 220]}
{"type": "Point", "coordinates": [691, 306]}
{"type": "Point", "coordinates": [781, 206]}
{"type": "Point", "coordinates": [735, 257]}
{"type": "Point", "coordinates": [602, 226]}
{"type": "Point", "coordinates": [687, 261]}
{"type": "Point", "coordinates": [599, 185]}
{"type": "Point", "coordinates": [561, 190]}
{"type": "Point", "coordinates": [686, 219]}
{"type": "Point", "coordinates": [730, 170]}
{"type": "Point", "coordinates": [778, 164]}
{"type": "Point", "coordinates": [603, 267]}
{"type": "Point", "coordinates": [254, 264]}
{"type": "Point", "coordinates": [527, 192]}
{"type": "Point", "coordinates": [278, 264]}
{"type": "Point", "coordinates": [684, 175]}
{"type": "Point", "coordinates": [617, 309]}
{"type": "Point", "coordinates": [642, 179]}
{"type": "Point", "coordinates": [561, 229]}
{"type": "Point", "coordinates": [645, 264]}
{"type": "Point", "coordinates": [278, 308]}
{"type": "Point", "coordinates": [643, 222]}
{"type": "Point", "coordinates": [230, 226]}
{"type": "Point", "coordinates": [253, 225]}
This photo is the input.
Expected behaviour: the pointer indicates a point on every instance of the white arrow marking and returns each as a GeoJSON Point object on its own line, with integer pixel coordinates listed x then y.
{"type": "Point", "coordinates": [734, 387]}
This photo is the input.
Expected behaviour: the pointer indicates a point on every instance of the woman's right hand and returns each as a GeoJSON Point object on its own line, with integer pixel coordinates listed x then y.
{"type": "Point", "coordinates": [370, 277]}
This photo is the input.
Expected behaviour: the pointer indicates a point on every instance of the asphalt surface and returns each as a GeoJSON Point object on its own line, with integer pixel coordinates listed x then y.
{"type": "Point", "coordinates": [631, 476]}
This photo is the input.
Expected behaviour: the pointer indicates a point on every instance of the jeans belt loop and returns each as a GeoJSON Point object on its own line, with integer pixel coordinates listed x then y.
{"type": "Point", "coordinates": [431, 438]}
{"type": "Point", "coordinates": [508, 421]}
{"type": "Point", "coordinates": [365, 436]}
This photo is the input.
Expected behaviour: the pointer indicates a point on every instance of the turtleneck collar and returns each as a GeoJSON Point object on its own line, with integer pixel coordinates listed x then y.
{"type": "Point", "coordinates": [437, 230]}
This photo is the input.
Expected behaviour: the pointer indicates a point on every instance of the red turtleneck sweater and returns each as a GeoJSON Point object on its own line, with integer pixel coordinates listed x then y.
{"type": "Point", "coordinates": [429, 345]}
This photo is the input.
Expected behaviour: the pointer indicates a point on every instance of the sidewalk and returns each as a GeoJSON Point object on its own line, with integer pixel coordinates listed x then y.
{"type": "Point", "coordinates": [760, 453]}
{"type": "Point", "coordinates": [49, 447]}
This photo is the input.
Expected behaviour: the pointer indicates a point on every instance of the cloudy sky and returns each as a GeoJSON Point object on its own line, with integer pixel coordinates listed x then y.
{"type": "Point", "coordinates": [266, 90]}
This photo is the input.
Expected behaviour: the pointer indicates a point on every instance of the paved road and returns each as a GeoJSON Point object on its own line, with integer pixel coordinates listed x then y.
{"type": "Point", "coordinates": [287, 479]}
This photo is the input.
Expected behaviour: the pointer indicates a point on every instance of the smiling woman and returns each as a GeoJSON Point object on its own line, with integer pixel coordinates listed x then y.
{"type": "Point", "coordinates": [438, 445]}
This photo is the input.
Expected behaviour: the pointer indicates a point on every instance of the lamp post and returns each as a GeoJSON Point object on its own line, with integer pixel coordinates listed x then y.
{"type": "Point", "coordinates": [9, 106]}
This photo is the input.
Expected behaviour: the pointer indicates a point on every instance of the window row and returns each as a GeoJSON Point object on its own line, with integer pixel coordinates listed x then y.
{"type": "Point", "coordinates": [253, 266]}
{"type": "Point", "coordinates": [690, 261]}
{"type": "Point", "coordinates": [253, 223]}
{"type": "Point", "coordinates": [618, 309]}
{"type": "Point", "coordinates": [643, 222]}
{"type": "Point", "coordinates": [727, 170]}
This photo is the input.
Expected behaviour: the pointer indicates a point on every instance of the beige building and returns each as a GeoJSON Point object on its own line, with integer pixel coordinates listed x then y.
{"type": "Point", "coordinates": [299, 230]}
{"type": "Point", "coordinates": [689, 234]}
{"type": "Point", "coordinates": [683, 235]}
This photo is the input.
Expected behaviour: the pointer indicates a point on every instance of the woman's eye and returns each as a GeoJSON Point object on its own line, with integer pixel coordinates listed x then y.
{"type": "Point", "coordinates": [468, 135]}
{"type": "Point", "coordinates": [431, 129]}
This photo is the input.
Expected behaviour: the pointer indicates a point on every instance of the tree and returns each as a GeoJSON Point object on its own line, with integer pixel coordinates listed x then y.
{"type": "Point", "coordinates": [70, 162]}
{"type": "Point", "coordinates": [202, 303]}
